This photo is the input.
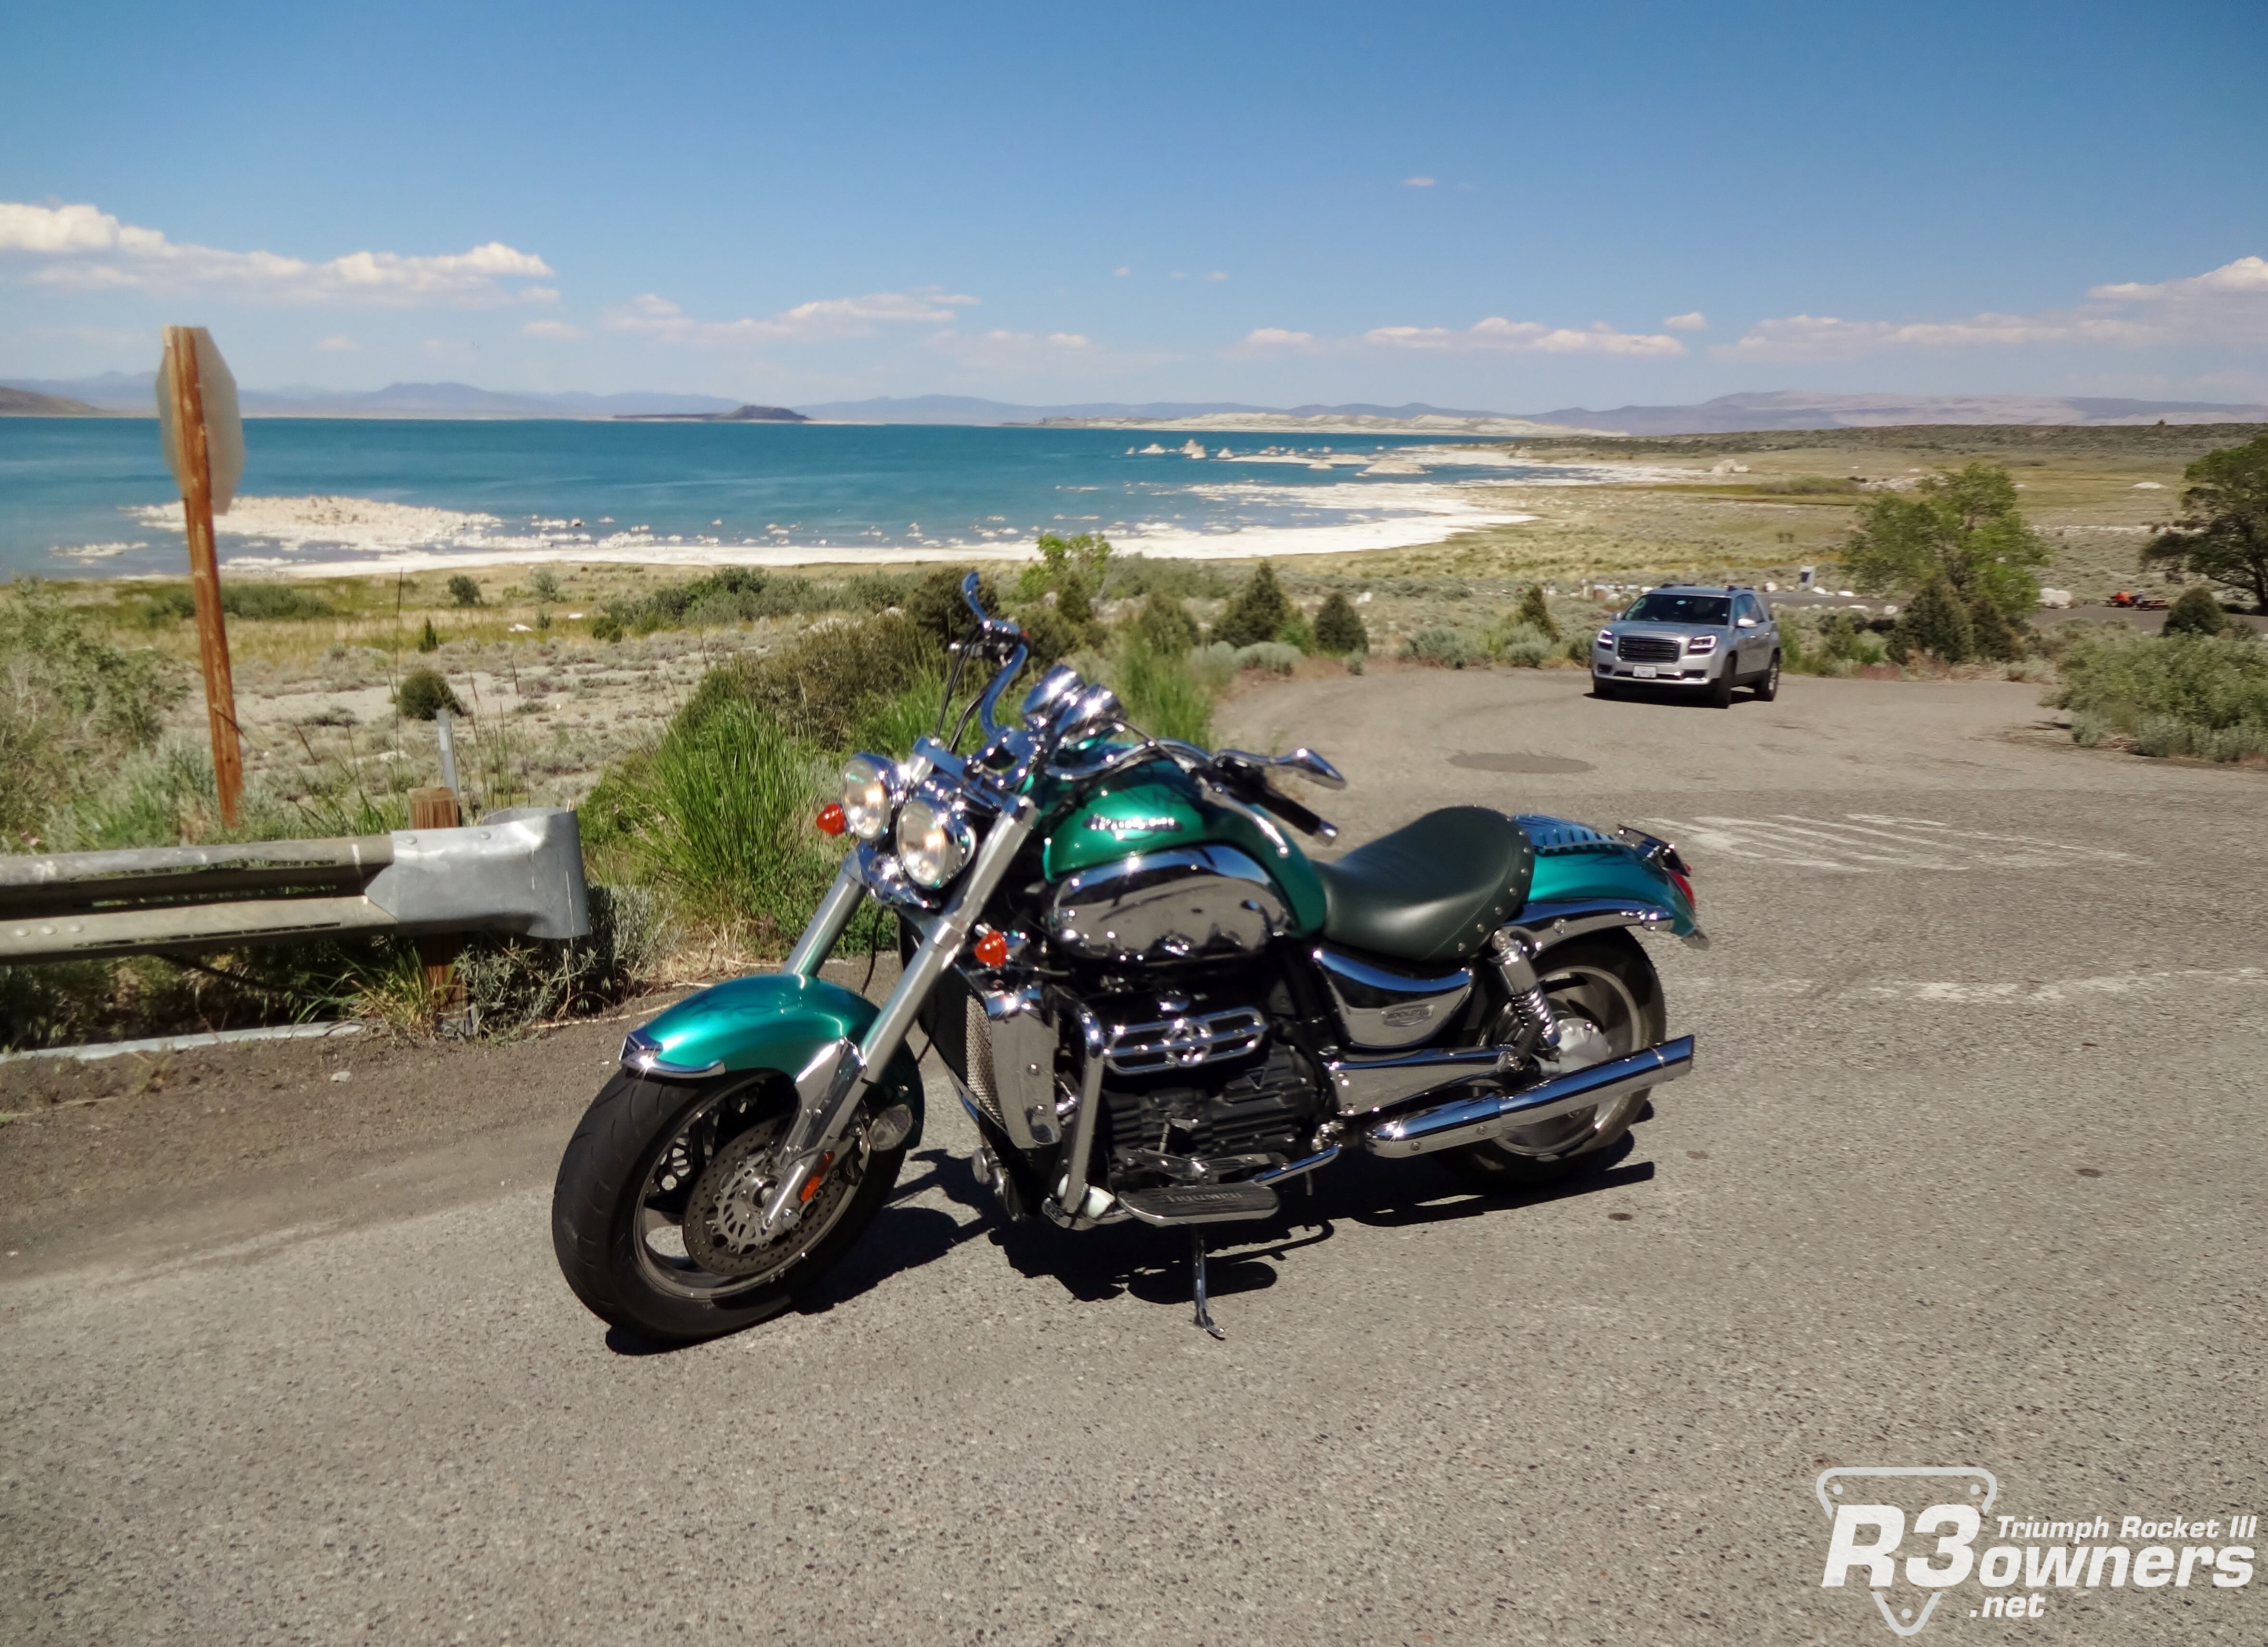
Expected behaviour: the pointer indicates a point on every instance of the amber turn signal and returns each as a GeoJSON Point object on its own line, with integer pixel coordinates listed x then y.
{"type": "Point", "coordinates": [830, 820]}
{"type": "Point", "coordinates": [991, 949]}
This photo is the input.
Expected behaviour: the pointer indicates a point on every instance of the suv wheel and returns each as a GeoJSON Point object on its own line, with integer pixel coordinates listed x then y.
{"type": "Point", "coordinates": [1768, 688]}
{"type": "Point", "coordinates": [1720, 689]}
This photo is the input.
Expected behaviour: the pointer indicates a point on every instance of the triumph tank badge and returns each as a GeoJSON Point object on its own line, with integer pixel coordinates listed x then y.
{"type": "Point", "coordinates": [1134, 825]}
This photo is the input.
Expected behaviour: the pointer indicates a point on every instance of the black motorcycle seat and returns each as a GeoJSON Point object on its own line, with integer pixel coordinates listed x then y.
{"type": "Point", "coordinates": [1432, 891]}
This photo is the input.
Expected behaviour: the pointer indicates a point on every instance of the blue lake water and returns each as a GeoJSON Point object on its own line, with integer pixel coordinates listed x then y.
{"type": "Point", "coordinates": [91, 497]}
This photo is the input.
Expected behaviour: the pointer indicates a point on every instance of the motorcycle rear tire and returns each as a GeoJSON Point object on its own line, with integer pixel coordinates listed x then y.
{"type": "Point", "coordinates": [601, 1188]}
{"type": "Point", "coordinates": [1492, 1166]}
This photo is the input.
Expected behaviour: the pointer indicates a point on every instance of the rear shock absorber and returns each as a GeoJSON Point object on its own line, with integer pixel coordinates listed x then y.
{"type": "Point", "coordinates": [1515, 964]}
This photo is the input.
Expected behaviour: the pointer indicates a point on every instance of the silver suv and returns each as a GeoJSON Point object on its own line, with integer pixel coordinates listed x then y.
{"type": "Point", "coordinates": [1693, 637]}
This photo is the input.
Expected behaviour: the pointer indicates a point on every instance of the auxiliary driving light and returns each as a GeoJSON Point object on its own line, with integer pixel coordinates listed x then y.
{"type": "Point", "coordinates": [866, 785]}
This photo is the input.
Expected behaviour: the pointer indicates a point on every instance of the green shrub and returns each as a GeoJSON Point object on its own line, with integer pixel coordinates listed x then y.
{"type": "Point", "coordinates": [1935, 622]}
{"type": "Point", "coordinates": [272, 601]}
{"type": "Point", "coordinates": [544, 585]}
{"type": "Point", "coordinates": [1272, 656]}
{"type": "Point", "coordinates": [428, 638]}
{"type": "Point", "coordinates": [1048, 636]}
{"type": "Point", "coordinates": [2196, 613]}
{"type": "Point", "coordinates": [1163, 694]}
{"type": "Point", "coordinates": [463, 591]}
{"type": "Point", "coordinates": [1338, 627]}
{"type": "Point", "coordinates": [605, 626]}
{"type": "Point", "coordinates": [1164, 626]}
{"type": "Point", "coordinates": [1446, 647]}
{"type": "Point", "coordinates": [824, 685]}
{"type": "Point", "coordinates": [1296, 633]}
{"type": "Point", "coordinates": [1992, 636]}
{"type": "Point", "coordinates": [1522, 646]}
{"type": "Point", "coordinates": [1128, 577]}
{"type": "Point", "coordinates": [1257, 612]}
{"type": "Point", "coordinates": [424, 692]}
{"type": "Point", "coordinates": [2206, 694]}
{"type": "Point", "coordinates": [72, 704]}
{"type": "Point", "coordinates": [168, 606]}
{"type": "Point", "coordinates": [935, 606]}
{"type": "Point", "coordinates": [1535, 612]}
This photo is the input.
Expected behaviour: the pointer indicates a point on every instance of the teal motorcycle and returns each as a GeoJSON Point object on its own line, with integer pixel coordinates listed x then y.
{"type": "Point", "coordinates": [1152, 1005]}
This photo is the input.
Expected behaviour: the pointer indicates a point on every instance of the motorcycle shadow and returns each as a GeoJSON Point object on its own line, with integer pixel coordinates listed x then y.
{"type": "Point", "coordinates": [1152, 1264]}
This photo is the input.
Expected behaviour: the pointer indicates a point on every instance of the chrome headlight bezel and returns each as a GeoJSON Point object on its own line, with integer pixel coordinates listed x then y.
{"type": "Point", "coordinates": [872, 789]}
{"type": "Point", "coordinates": [934, 841]}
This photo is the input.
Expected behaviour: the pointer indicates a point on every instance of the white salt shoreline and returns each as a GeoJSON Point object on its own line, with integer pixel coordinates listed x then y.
{"type": "Point", "coordinates": [303, 536]}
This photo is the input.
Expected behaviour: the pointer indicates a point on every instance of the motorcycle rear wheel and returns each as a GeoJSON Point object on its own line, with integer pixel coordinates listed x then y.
{"type": "Point", "coordinates": [632, 1241]}
{"type": "Point", "coordinates": [1605, 983]}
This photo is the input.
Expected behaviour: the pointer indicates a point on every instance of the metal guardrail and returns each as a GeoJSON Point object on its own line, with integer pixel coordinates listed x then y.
{"type": "Point", "coordinates": [518, 871]}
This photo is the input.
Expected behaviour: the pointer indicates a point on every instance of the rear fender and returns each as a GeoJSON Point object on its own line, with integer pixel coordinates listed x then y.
{"type": "Point", "coordinates": [1586, 881]}
{"type": "Point", "coordinates": [774, 1021]}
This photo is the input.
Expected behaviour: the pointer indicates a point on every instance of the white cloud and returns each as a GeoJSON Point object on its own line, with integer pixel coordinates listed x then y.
{"type": "Point", "coordinates": [1495, 335]}
{"type": "Point", "coordinates": [451, 347]}
{"type": "Point", "coordinates": [1417, 182]}
{"type": "Point", "coordinates": [1277, 337]}
{"type": "Point", "coordinates": [1124, 270]}
{"type": "Point", "coordinates": [1217, 274]}
{"type": "Point", "coordinates": [339, 343]}
{"type": "Point", "coordinates": [82, 247]}
{"type": "Point", "coordinates": [1692, 322]}
{"type": "Point", "coordinates": [2223, 307]}
{"type": "Point", "coordinates": [559, 331]}
{"type": "Point", "coordinates": [817, 322]}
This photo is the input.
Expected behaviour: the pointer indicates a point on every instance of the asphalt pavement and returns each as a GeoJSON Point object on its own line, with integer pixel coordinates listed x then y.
{"type": "Point", "coordinates": [1968, 1175]}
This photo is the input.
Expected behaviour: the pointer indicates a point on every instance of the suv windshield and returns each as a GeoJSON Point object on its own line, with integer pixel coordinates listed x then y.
{"type": "Point", "coordinates": [1659, 607]}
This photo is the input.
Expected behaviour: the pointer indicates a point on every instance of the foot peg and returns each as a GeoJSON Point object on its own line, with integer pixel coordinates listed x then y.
{"type": "Point", "coordinates": [1197, 1269]}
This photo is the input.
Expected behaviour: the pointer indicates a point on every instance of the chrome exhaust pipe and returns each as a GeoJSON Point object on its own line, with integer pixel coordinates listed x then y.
{"type": "Point", "coordinates": [1483, 1115]}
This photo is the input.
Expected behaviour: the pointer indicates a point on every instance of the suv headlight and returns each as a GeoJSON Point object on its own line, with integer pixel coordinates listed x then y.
{"type": "Point", "coordinates": [867, 782]}
{"type": "Point", "coordinates": [1607, 638]}
{"type": "Point", "coordinates": [934, 844]}
{"type": "Point", "coordinates": [1698, 644]}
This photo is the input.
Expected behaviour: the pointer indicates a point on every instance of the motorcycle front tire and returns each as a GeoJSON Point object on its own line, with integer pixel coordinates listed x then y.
{"type": "Point", "coordinates": [602, 1186]}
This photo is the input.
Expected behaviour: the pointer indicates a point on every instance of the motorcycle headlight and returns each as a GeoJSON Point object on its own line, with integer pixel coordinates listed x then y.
{"type": "Point", "coordinates": [866, 785]}
{"type": "Point", "coordinates": [934, 844]}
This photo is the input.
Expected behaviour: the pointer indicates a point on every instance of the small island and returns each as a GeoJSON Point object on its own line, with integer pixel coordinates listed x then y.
{"type": "Point", "coordinates": [738, 414]}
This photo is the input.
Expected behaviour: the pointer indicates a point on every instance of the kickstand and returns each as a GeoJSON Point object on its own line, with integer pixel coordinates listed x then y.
{"type": "Point", "coordinates": [1196, 1265]}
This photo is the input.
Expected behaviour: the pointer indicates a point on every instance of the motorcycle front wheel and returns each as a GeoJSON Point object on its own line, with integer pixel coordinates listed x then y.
{"type": "Point", "coordinates": [1607, 999]}
{"type": "Point", "coordinates": [653, 1216]}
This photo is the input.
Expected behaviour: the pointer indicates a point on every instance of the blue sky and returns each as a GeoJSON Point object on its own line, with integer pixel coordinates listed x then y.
{"type": "Point", "coordinates": [1504, 206]}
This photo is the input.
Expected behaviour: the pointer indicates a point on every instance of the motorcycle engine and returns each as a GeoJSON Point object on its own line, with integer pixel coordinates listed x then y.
{"type": "Point", "coordinates": [1195, 1076]}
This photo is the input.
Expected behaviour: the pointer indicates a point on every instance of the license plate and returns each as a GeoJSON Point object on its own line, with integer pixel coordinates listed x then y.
{"type": "Point", "coordinates": [1644, 672]}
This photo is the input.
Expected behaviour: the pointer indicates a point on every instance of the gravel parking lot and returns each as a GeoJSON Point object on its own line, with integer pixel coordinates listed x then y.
{"type": "Point", "coordinates": [1968, 1175]}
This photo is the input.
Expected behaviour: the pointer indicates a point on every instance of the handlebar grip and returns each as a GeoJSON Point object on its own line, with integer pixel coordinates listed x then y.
{"type": "Point", "coordinates": [1298, 816]}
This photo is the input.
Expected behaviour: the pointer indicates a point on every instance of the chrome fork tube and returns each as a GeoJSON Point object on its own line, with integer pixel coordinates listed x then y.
{"type": "Point", "coordinates": [830, 1086]}
{"type": "Point", "coordinates": [828, 921]}
{"type": "Point", "coordinates": [1070, 1198]}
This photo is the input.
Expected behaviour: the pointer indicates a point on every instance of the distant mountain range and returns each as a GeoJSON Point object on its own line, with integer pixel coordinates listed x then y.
{"type": "Point", "coordinates": [132, 393]}
{"type": "Point", "coordinates": [136, 392]}
{"type": "Point", "coordinates": [1794, 408]}
{"type": "Point", "coordinates": [31, 403]}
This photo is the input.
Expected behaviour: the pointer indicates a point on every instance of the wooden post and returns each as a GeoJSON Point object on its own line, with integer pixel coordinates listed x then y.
{"type": "Point", "coordinates": [437, 809]}
{"type": "Point", "coordinates": [205, 570]}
